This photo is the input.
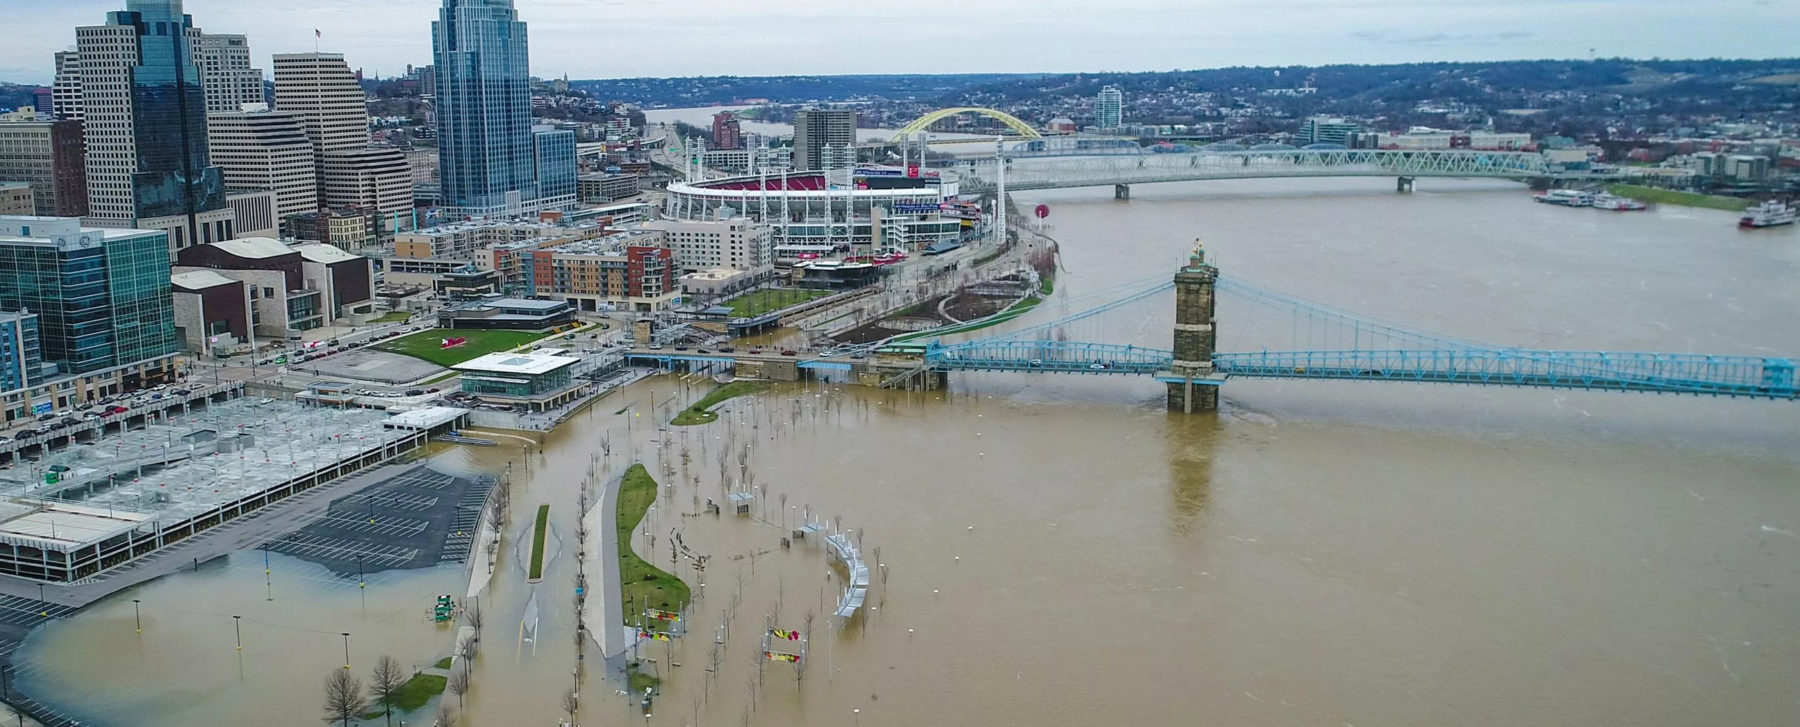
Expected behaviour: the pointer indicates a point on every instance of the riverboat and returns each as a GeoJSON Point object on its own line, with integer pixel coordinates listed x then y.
{"type": "Point", "coordinates": [1604, 201]}
{"type": "Point", "coordinates": [1768, 214]}
{"type": "Point", "coordinates": [1566, 198]}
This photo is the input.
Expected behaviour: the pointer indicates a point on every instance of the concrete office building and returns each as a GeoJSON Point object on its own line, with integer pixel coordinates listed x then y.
{"type": "Point", "coordinates": [51, 157]}
{"type": "Point", "coordinates": [1329, 130]}
{"type": "Point", "coordinates": [225, 71]}
{"type": "Point", "coordinates": [736, 243]}
{"type": "Point", "coordinates": [262, 149]}
{"type": "Point", "coordinates": [323, 91]}
{"type": "Point", "coordinates": [16, 199]}
{"type": "Point", "coordinates": [254, 211]}
{"type": "Point", "coordinates": [346, 228]}
{"type": "Point", "coordinates": [102, 298]}
{"type": "Point", "coordinates": [816, 129]}
{"type": "Point", "coordinates": [65, 92]}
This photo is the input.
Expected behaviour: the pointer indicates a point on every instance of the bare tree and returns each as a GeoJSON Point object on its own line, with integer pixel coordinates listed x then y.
{"type": "Point", "coordinates": [343, 697]}
{"type": "Point", "coordinates": [385, 679]}
{"type": "Point", "coordinates": [570, 703]}
{"type": "Point", "coordinates": [458, 684]}
{"type": "Point", "coordinates": [446, 715]}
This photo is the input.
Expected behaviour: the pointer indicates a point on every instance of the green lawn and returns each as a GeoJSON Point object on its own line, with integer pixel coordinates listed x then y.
{"type": "Point", "coordinates": [443, 663]}
{"type": "Point", "coordinates": [701, 411]}
{"type": "Point", "coordinates": [1684, 199]}
{"type": "Point", "coordinates": [642, 584]}
{"type": "Point", "coordinates": [764, 300]}
{"type": "Point", "coordinates": [397, 316]}
{"type": "Point", "coordinates": [537, 543]}
{"type": "Point", "coordinates": [1018, 309]}
{"type": "Point", "coordinates": [413, 694]}
{"type": "Point", "coordinates": [428, 345]}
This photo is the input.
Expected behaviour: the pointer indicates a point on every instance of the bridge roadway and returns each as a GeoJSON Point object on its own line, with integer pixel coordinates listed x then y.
{"type": "Point", "coordinates": [1027, 173]}
{"type": "Point", "coordinates": [1667, 373]}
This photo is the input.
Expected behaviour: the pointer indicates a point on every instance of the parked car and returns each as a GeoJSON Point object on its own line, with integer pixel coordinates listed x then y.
{"type": "Point", "coordinates": [25, 434]}
{"type": "Point", "coordinates": [790, 352]}
{"type": "Point", "coordinates": [70, 421]}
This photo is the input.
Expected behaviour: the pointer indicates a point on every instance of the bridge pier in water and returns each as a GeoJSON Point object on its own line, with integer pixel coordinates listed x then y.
{"type": "Point", "coordinates": [1122, 191]}
{"type": "Point", "coordinates": [1192, 382]}
{"type": "Point", "coordinates": [1403, 184]}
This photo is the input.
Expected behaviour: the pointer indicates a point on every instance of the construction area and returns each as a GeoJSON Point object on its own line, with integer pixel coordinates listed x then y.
{"type": "Point", "coordinates": [72, 513]}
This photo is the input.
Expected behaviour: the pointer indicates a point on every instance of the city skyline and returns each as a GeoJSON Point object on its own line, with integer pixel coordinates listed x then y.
{"type": "Point", "coordinates": [1137, 36]}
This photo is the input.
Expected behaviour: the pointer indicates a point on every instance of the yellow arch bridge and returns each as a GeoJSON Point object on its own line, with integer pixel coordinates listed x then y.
{"type": "Point", "coordinates": [1012, 122]}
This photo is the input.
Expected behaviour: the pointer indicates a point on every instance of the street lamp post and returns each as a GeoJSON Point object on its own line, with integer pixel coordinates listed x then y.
{"type": "Point", "coordinates": [346, 650]}
{"type": "Point", "coordinates": [137, 616]}
{"type": "Point", "coordinates": [237, 630]}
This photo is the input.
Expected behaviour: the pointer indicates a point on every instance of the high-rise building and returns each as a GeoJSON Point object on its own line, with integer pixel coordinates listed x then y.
{"type": "Point", "coordinates": [43, 101]}
{"type": "Point", "coordinates": [226, 74]}
{"type": "Point", "coordinates": [1328, 130]}
{"type": "Point", "coordinates": [144, 116]}
{"type": "Point", "coordinates": [556, 171]}
{"type": "Point", "coordinates": [65, 93]}
{"type": "Point", "coordinates": [486, 157]}
{"type": "Point", "coordinates": [727, 133]}
{"type": "Point", "coordinates": [1109, 109]}
{"type": "Point", "coordinates": [101, 295]}
{"type": "Point", "coordinates": [323, 91]}
{"type": "Point", "coordinates": [815, 129]}
{"type": "Point", "coordinates": [21, 358]}
{"type": "Point", "coordinates": [51, 157]}
{"type": "Point", "coordinates": [262, 149]}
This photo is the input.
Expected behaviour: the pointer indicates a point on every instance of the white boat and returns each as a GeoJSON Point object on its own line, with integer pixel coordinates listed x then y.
{"type": "Point", "coordinates": [1604, 201]}
{"type": "Point", "coordinates": [1567, 198]}
{"type": "Point", "coordinates": [1768, 214]}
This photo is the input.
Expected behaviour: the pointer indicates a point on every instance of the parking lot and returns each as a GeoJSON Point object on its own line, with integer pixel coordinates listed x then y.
{"type": "Point", "coordinates": [416, 519]}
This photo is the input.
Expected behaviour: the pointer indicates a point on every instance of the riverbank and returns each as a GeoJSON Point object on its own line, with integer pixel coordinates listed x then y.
{"type": "Point", "coordinates": [1675, 197]}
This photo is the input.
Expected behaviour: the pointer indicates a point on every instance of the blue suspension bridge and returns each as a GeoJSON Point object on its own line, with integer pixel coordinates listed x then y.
{"type": "Point", "coordinates": [1334, 345]}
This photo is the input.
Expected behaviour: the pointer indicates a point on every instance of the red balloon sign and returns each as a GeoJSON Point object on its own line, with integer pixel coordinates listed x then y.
{"type": "Point", "coordinates": [1043, 210]}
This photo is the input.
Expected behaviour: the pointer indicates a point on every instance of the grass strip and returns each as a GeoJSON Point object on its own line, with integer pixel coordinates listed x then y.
{"type": "Point", "coordinates": [537, 543]}
{"type": "Point", "coordinates": [1674, 197]}
{"type": "Point", "coordinates": [701, 411]}
{"type": "Point", "coordinates": [640, 583]}
{"type": "Point", "coordinates": [428, 345]}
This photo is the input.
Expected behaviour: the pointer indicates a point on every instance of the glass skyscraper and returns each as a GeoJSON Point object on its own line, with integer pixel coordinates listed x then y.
{"type": "Point", "coordinates": [556, 168]}
{"type": "Point", "coordinates": [486, 156]}
{"type": "Point", "coordinates": [145, 111]}
{"type": "Point", "coordinates": [102, 296]}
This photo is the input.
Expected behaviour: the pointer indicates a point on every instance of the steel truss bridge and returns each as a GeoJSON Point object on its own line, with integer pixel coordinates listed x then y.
{"type": "Point", "coordinates": [1356, 348]}
{"type": "Point", "coordinates": [1027, 173]}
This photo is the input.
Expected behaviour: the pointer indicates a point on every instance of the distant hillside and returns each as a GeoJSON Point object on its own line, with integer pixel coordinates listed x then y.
{"type": "Point", "coordinates": [716, 90]}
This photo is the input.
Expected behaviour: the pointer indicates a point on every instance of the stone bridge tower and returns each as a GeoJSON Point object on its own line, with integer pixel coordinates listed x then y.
{"type": "Point", "coordinates": [1193, 384]}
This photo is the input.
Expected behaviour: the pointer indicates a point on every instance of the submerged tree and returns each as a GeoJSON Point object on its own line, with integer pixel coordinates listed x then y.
{"type": "Point", "coordinates": [343, 697]}
{"type": "Point", "coordinates": [385, 679]}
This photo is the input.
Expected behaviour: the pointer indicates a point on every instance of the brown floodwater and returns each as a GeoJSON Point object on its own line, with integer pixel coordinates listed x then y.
{"type": "Point", "coordinates": [1060, 550]}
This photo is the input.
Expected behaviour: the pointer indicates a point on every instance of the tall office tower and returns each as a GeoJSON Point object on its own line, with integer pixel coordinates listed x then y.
{"type": "Point", "coordinates": [144, 113]}
{"type": "Point", "coordinates": [65, 93]}
{"type": "Point", "coordinates": [322, 90]}
{"type": "Point", "coordinates": [727, 133]}
{"type": "Point", "coordinates": [815, 129]}
{"type": "Point", "coordinates": [226, 74]}
{"type": "Point", "coordinates": [1109, 109]}
{"type": "Point", "coordinates": [262, 149]}
{"type": "Point", "coordinates": [485, 146]}
{"type": "Point", "coordinates": [49, 155]}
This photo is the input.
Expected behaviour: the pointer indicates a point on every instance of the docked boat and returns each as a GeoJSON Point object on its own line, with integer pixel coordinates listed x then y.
{"type": "Point", "coordinates": [1567, 198]}
{"type": "Point", "coordinates": [1768, 214]}
{"type": "Point", "coordinates": [1604, 201]}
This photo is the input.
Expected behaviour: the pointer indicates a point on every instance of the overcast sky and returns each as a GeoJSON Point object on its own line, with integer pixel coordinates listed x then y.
{"type": "Point", "coordinates": [625, 38]}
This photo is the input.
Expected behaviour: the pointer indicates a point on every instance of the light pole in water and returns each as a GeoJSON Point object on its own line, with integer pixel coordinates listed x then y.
{"type": "Point", "coordinates": [237, 631]}
{"type": "Point", "coordinates": [137, 616]}
{"type": "Point", "coordinates": [346, 650]}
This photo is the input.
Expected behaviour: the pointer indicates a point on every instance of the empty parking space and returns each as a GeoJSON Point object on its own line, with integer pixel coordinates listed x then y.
{"type": "Point", "coordinates": [393, 501]}
{"type": "Point", "coordinates": [378, 525]}
{"type": "Point", "coordinates": [345, 550]}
